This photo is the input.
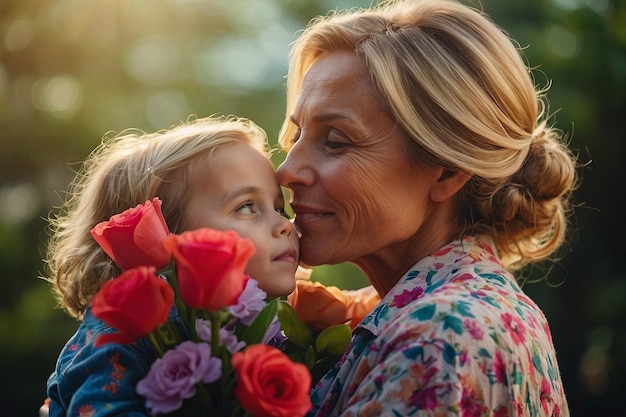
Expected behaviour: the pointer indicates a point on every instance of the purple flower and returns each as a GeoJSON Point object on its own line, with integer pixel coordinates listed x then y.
{"type": "Point", "coordinates": [227, 337]}
{"type": "Point", "coordinates": [203, 328]}
{"type": "Point", "coordinates": [173, 377]}
{"type": "Point", "coordinates": [273, 336]}
{"type": "Point", "coordinates": [251, 302]}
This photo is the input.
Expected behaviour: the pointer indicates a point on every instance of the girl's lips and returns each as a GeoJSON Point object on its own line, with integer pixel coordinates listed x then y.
{"type": "Point", "coordinates": [289, 256]}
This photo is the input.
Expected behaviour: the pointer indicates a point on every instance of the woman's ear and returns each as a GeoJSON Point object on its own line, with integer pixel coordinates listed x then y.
{"type": "Point", "coordinates": [448, 184]}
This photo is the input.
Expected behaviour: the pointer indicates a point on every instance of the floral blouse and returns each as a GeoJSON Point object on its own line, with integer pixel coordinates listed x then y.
{"type": "Point", "coordinates": [455, 337]}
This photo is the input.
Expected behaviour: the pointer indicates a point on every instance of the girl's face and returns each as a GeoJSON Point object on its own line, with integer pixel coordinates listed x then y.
{"type": "Point", "coordinates": [354, 188]}
{"type": "Point", "coordinates": [236, 189]}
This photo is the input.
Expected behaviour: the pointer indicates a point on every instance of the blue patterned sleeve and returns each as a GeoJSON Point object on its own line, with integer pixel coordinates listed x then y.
{"type": "Point", "coordinates": [99, 382]}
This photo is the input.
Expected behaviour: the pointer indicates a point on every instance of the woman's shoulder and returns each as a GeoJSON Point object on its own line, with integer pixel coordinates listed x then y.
{"type": "Point", "coordinates": [467, 293]}
{"type": "Point", "coordinates": [476, 296]}
{"type": "Point", "coordinates": [462, 286]}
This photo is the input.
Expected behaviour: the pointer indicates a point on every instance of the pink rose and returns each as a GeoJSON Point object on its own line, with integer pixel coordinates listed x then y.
{"type": "Point", "coordinates": [209, 266]}
{"type": "Point", "coordinates": [134, 237]}
{"type": "Point", "coordinates": [136, 303]}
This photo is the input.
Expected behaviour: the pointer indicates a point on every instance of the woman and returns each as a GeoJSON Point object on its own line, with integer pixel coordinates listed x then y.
{"type": "Point", "coordinates": [418, 149]}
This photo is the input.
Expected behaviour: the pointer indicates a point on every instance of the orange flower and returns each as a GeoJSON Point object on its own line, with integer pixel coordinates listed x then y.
{"type": "Point", "coordinates": [209, 266]}
{"type": "Point", "coordinates": [269, 384]}
{"type": "Point", "coordinates": [133, 238]}
{"type": "Point", "coordinates": [360, 303]}
{"type": "Point", "coordinates": [319, 306]}
{"type": "Point", "coordinates": [135, 303]}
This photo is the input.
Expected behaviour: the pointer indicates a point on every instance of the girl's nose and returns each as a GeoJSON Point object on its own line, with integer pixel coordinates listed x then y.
{"type": "Point", "coordinates": [283, 226]}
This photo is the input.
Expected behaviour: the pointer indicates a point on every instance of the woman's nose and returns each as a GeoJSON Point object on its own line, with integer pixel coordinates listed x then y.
{"type": "Point", "coordinates": [296, 168]}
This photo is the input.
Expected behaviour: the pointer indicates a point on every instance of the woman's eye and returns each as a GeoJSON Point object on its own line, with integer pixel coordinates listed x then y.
{"type": "Point", "coordinates": [282, 212]}
{"type": "Point", "coordinates": [336, 140]}
{"type": "Point", "coordinates": [296, 135]}
{"type": "Point", "coordinates": [247, 207]}
{"type": "Point", "coordinates": [331, 144]}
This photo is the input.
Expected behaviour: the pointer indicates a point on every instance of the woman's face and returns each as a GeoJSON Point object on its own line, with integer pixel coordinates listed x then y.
{"type": "Point", "coordinates": [354, 189]}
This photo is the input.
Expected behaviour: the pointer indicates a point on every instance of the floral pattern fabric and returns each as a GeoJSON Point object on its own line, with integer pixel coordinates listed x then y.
{"type": "Point", "coordinates": [99, 382]}
{"type": "Point", "coordinates": [455, 337]}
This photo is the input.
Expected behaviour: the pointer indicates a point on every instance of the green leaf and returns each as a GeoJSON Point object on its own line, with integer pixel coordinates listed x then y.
{"type": "Point", "coordinates": [255, 332]}
{"type": "Point", "coordinates": [322, 366]}
{"type": "Point", "coordinates": [334, 339]}
{"type": "Point", "coordinates": [295, 353]}
{"type": "Point", "coordinates": [296, 331]}
{"type": "Point", "coordinates": [309, 359]}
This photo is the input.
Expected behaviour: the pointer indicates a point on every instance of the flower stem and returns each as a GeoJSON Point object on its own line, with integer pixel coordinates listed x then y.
{"type": "Point", "coordinates": [204, 398]}
{"type": "Point", "coordinates": [155, 342]}
{"type": "Point", "coordinates": [215, 335]}
{"type": "Point", "coordinates": [191, 324]}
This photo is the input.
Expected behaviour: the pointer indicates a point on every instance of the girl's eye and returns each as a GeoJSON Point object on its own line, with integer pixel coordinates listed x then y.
{"type": "Point", "coordinates": [282, 212]}
{"type": "Point", "coordinates": [247, 207]}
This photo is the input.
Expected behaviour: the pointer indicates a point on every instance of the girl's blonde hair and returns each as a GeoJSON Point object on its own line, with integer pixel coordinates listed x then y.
{"type": "Point", "coordinates": [122, 172]}
{"type": "Point", "coordinates": [461, 92]}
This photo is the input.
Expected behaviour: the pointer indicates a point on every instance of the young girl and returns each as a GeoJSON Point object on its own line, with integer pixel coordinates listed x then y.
{"type": "Point", "coordinates": [211, 172]}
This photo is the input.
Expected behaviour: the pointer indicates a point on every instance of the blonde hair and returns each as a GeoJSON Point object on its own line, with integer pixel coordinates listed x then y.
{"type": "Point", "coordinates": [119, 174]}
{"type": "Point", "coordinates": [461, 92]}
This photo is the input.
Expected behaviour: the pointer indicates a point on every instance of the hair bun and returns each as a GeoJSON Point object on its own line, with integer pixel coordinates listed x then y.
{"type": "Point", "coordinates": [546, 173]}
{"type": "Point", "coordinates": [538, 186]}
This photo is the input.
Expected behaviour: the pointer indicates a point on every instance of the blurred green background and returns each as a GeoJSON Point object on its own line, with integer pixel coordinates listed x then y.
{"type": "Point", "coordinates": [73, 70]}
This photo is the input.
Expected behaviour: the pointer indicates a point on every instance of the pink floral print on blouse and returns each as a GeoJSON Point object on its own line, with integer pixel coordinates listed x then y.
{"type": "Point", "coordinates": [455, 337]}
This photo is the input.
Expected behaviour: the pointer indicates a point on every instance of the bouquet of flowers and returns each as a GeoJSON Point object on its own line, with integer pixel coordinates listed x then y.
{"type": "Point", "coordinates": [321, 319]}
{"type": "Point", "coordinates": [227, 359]}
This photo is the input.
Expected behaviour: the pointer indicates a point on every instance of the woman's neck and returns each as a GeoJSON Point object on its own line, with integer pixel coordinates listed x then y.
{"type": "Point", "coordinates": [385, 267]}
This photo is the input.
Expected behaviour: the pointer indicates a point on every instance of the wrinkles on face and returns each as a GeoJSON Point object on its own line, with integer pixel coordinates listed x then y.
{"type": "Point", "coordinates": [350, 161]}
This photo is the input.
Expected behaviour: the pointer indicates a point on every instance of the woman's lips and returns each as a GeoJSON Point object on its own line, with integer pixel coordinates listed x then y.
{"type": "Point", "coordinates": [304, 216]}
{"type": "Point", "coordinates": [303, 212]}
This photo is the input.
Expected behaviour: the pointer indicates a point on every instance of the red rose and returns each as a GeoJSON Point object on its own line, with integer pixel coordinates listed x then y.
{"type": "Point", "coordinates": [134, 237]}
{"type": "Point", "coordinates": [135, 303]}
{"type": "Point", "coordinates": [209, 266]}
{"type": "Point", "coordinates": [269, 384]}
